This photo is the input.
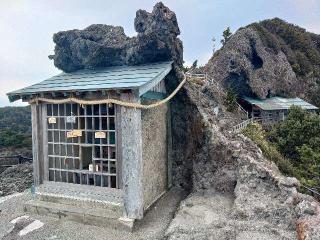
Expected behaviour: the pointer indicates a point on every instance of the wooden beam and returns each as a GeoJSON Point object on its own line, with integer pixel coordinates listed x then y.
{"type": "Point", "coordinates": [44, 131]}
{"type": "Point", "coordinates": [37, 144]}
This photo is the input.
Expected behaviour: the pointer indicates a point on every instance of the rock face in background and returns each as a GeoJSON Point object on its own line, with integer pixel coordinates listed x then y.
{"type": "Point", "coordinates": [103, 45]}
{"type": "Point", "coordinates": [270, 57]}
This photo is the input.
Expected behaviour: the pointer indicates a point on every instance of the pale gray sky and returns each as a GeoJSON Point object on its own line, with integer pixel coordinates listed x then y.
{"type": "Point", "coordinates": [27, 26]}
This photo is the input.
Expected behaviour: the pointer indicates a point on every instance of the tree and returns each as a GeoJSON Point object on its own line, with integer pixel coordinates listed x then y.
{"type": "Point", "coordinates": [194, 64]}
{"type": "Point", "coordinates": [301, 127]}
{"type": "Point", "coordinates": [213, 44]}
{"type": "Point", "coordinates": [231, 99]}
{"type": "Point", "coordinates": [298, 139]}
{"type": "Point", "coordinates": [226, 36]}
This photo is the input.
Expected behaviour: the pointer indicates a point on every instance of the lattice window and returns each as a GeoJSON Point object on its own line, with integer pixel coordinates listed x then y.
{"type": "Point", "coordinates": [82, 144]}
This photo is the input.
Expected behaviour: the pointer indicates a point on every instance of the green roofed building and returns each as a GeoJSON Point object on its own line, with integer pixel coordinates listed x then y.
{"type": "Point", "coordinates": [98, 162]}
{"type": "Point", "coordinates": [274, 109]}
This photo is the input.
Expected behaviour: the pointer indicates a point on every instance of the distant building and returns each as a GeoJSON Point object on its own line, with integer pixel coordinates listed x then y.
{"type": "Point", "coordinates": [100, 162]}
{"type": "Point", "coordinates": [274, 109]}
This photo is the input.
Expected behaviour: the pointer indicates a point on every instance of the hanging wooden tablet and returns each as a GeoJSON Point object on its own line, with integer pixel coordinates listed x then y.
{"type": "Point", "coordinates": [100, 135]}
{"type": "Point", "coordinates": [52, 120]}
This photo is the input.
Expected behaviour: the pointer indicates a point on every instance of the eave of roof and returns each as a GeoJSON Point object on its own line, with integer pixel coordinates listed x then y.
{"type": "Point", "coordinates": [279, 103]}
{"type": "Point", "coordinates": [140, 78]}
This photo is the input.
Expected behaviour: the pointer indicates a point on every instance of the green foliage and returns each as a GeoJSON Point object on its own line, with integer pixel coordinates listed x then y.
{"type": "Point", "coordinates": [294, 145]}
{"type": "Point", "coordinates": [300, 128]}
{"type": "Point", "coordinates": [194, 64]}
{"type": "Point", "coordinates": [15, 127]}
{"type": "Point", "coordinates": [231, 99]}
{"type": "Point", "coordinates": [258, 135]}
{"type": "Point", "coordinates": [185, 69]}
{"type": "Point", "coordinates": [226, 36]}
{"type": "Point", "coordinates": [298, 45]}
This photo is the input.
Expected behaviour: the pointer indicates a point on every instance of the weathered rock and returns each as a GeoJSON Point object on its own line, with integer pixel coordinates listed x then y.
{"type": "Point", "coordinates": [258, 201]}
{"type": "Point", "coordinates": [102, 45]}
{"type": "Point", "coordinates": [95, 46]}
{"type": "Point", "coordinates": [245, 64]}
{"type": "Point", "coordinates": [250, 65]}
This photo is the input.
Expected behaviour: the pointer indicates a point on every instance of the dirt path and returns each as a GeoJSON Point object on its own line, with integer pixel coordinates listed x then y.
{"type": "Point", "coordinates": [208, 215]}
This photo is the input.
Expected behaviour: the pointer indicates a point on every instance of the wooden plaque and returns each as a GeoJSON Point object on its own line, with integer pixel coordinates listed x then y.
{"type": "Point", "coordinates": [52, 120]}
{"type": "Point", "coordinates": [74, 133]}
{"type": "Point", "coordinates": [100, 135]}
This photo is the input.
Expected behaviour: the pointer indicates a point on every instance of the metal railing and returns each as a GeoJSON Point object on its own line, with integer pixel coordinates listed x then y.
{"type": "Point", "coordinates": [8, 161]}
{"type": "Point", "coordinates": [216, 85]}
{"type": "Point", "coordinates": [242, 110]}
{"type": "Point", "coordinates": [197, 75]}
{"type": "Point", "coordinates": [242, 125]}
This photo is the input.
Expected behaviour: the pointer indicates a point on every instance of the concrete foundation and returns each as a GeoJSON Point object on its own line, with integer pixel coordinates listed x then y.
{"type": "Point", "coordinates": [80, 203]}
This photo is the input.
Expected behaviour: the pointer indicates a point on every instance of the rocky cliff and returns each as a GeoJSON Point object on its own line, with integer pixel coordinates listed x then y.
{"type": "Point", "coordinates": [236, 192]}
{"type": "Point", "coordinates": [270, 57]}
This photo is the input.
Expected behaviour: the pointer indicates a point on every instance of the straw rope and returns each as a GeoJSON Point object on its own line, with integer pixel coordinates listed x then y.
{"type": "Point", "coordinates": [110, 100]}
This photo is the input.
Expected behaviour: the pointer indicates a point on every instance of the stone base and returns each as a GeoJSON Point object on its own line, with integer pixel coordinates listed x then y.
{"type": "Point", "coordinates": [90, 216]}
{"type": "Point", "coordinates": [81, 203]}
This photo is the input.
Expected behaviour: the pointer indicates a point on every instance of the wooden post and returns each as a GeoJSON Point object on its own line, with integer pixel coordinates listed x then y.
{"type": "Point", "coordinates": [44, 143]}
{"type": "Point", "coordinates": [132, 165]}
{"type": "Point", "coordinates": [39, 142]}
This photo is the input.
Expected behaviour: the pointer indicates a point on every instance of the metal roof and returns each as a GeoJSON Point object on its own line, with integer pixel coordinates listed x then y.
{"type": "Point", "coordinates": [279, 103]}
{"type": "Point", "coordinates": [141, 78]}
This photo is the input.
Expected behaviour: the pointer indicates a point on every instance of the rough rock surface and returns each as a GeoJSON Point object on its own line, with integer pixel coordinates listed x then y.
{"type": "Point", "coordinates": [249, 67]}
{"type": "Point", "coordinates": [247, 64]}
{"type": "Point", "coordinates": [236, 192]}
{"type": "Point", "coordinates": [102, 45]}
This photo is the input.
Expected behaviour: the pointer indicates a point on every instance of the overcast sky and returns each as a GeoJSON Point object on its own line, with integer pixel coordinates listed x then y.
{"type": "Point", "coordinates": [27, 26]}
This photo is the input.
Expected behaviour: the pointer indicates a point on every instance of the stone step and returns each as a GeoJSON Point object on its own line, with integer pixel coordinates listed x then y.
{"type": "Point", "coordinates": [90, 216]}
{"type": "Point", "coordinates": [81, 196]}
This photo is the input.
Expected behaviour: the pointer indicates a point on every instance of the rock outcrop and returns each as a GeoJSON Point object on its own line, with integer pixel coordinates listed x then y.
{"type": "Point", "coordinates": [271, 57]}
{"type": "Point", "coordinates": [102, 45]}
{"type": "Point", "coordinates": [236, 192]}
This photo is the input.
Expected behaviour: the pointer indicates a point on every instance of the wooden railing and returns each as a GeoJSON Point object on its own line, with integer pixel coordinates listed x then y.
{"type": "Point", "coordinates": [242, 125]}
{"type": "Point", "coordinates": [8, 161]}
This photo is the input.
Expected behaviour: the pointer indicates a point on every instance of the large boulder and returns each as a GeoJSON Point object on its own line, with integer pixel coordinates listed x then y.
{"type": "Point", "coordinates": [96, 45]}
{"type": "Point", "coordinates": [102, 45]}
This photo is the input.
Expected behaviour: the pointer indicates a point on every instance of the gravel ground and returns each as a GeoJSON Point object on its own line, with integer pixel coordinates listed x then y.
{"type": "Point", "coordinates": [15, 179]}
{"type": "Point", "coordinates": [153, 226]}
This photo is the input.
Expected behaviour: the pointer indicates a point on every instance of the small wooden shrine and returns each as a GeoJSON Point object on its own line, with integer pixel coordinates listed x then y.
{"type": "Point", "coordinates": [100, 154]}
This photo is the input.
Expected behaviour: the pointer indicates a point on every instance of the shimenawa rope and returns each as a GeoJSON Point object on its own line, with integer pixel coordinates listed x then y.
{"type": "Point", "coordinates": [110, 100]}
